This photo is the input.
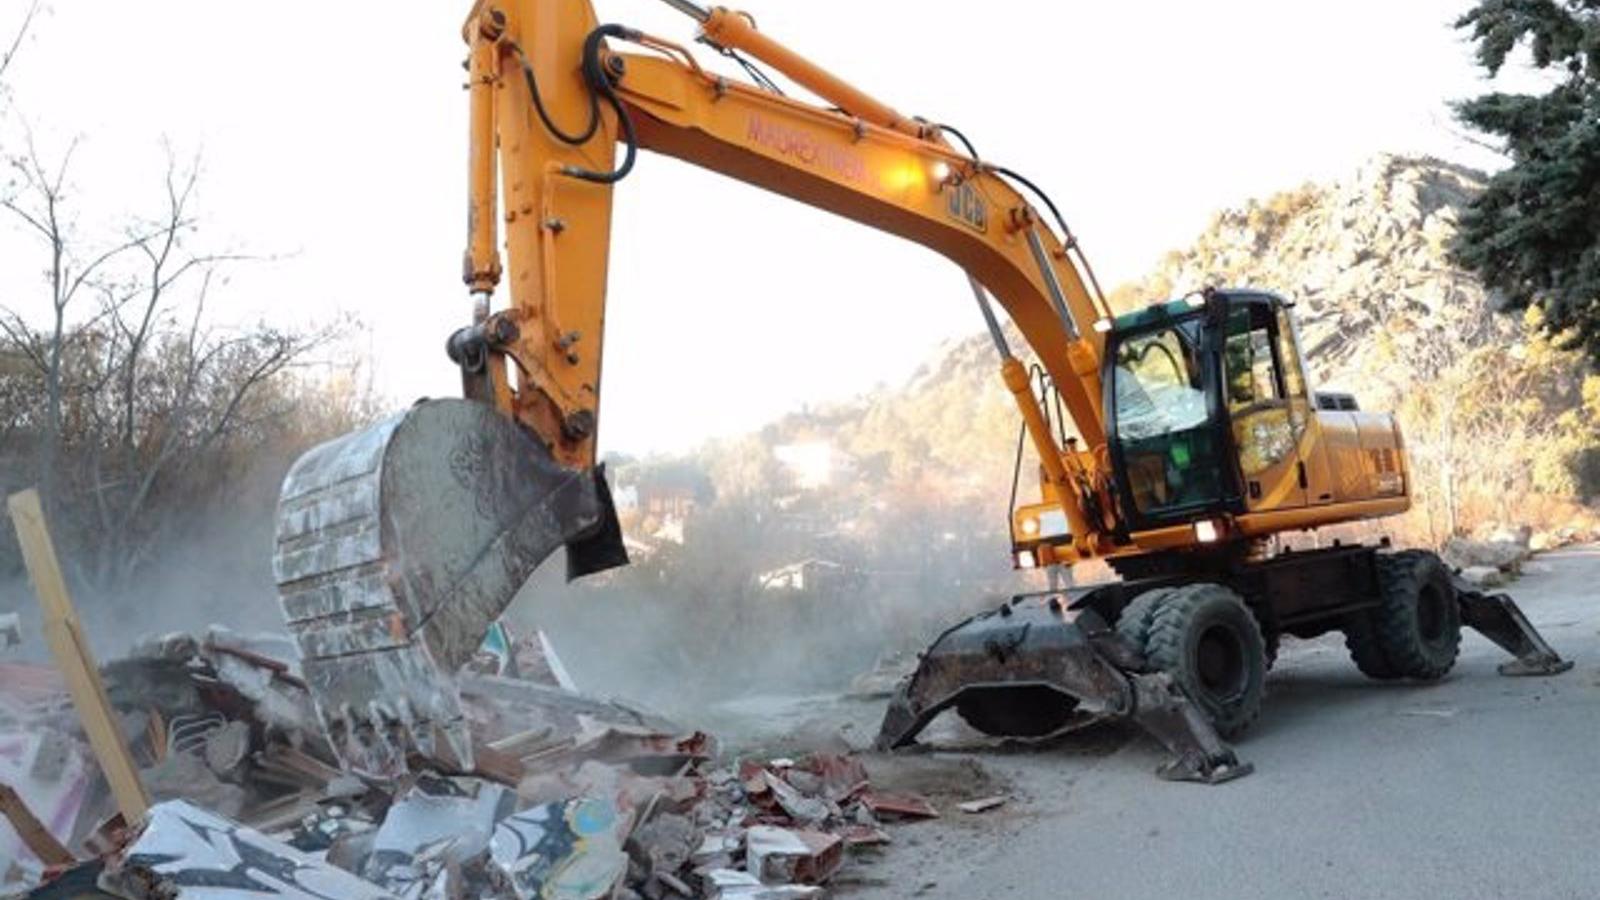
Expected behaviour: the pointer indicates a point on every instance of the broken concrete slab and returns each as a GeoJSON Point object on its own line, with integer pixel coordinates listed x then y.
{"type": "Point", "coordinates": [1484, 576]}
{"type": "Point", "coordinates": [784, 855]}
{"type": "Point", "coordinates": [1507, 556]}
{"type": "Point", "coordinates": [437, 823]}
{"type": "Point", "coordinates": [185, 776]}
{"type": "Point", "coordinates": [804, 810]}
{"type": "Point", "coordinates": [667, 841]}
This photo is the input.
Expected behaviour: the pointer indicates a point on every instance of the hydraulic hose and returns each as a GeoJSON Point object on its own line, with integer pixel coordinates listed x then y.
{"type": "Point", "coordinates": [595, 75]}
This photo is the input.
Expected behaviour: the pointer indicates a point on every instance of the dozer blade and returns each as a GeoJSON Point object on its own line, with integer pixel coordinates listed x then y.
{"type": "Point", "coordinates": [1498, 618]}
{"type": "Point", "coordinates": [398, 546]}
{"type": "Point", "coordinates": [1036, 667]}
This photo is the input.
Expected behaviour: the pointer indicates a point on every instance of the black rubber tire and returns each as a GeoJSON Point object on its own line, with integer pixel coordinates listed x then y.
{"type": "Point", "coordinates": [1134, 621]}
{"type": "Point", "coordinates": [1361, 639]}
{"type": "Point", "coordinates": [1205, 637]}
{"type": "Point", "coordinates": [1027, 711]}
{"type": "Point", "coordinates": [1418, 620]}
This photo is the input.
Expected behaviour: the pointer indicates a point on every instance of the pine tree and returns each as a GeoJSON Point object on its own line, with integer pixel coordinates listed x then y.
{"type": "Point", "coordinates": [1533, 236]}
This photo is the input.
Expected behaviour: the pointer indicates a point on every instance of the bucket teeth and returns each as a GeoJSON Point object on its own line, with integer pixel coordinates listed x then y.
{"type": "Point", "coordinates": [397, 547]}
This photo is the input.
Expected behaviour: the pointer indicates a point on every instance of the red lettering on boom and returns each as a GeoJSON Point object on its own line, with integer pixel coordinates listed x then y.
{"type": "Point", "coordinates": [806, 149]}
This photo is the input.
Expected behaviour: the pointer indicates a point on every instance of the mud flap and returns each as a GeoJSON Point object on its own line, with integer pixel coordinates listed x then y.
{"type": "Point", "coordinates": [1038, 647]}
{"type": "Point", "coordinates": [1498, 618]}
{"type": "Point", "coordinates": [397, 547]}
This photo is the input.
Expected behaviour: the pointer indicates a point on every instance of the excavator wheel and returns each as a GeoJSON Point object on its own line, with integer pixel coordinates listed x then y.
{"type": "Point", "coordinates": [1134, 622]}
{"type": "Point", "coordinates": [1361, 639]}
{"type": "Point", "coordinates": [1208, 641]}
{"type": "Point", "coordinates": [1417, 622]}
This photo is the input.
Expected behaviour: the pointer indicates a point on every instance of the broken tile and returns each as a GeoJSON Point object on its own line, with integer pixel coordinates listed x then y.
{"type": "Point", "coordinates": [898, 806]}
{"type": "Point", "coordinates": [803, 809]}
{"type": "Point", "coordinates": [863, 836]}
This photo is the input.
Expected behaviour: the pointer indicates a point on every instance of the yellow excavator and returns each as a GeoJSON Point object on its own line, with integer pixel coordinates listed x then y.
{"type": "Point", "coordinates": [1175, 443]}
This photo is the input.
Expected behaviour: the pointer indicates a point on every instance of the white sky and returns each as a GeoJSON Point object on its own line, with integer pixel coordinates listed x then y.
{"type": "Point", "coordinates": [334, 134]}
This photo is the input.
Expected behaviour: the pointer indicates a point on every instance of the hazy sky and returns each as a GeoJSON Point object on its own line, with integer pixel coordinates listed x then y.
{"type": "Point", "coordinates": [333, 134]}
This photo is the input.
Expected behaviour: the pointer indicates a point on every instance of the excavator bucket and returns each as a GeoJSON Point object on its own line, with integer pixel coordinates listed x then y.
{"type": "Point", "coordinates": [1035, 667]}
{"type": "Point", "coordinates": [399, 545]}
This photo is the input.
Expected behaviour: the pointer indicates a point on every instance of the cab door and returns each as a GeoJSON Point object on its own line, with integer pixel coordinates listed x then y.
{"type": "Point", "coordinates": [1268, 409]}
{"type": "Point", "coordinates": [1315, 473]}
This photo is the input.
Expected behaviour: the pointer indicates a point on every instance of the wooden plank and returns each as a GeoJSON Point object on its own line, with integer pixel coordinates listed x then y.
{"type": "Point", "coordinates": [38, 839]}
{"type": "Point", "coordinates": [65, 635]}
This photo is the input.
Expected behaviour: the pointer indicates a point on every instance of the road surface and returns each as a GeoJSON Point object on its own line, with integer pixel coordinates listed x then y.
{"type": "Point", "coordinates": [1478, 786]}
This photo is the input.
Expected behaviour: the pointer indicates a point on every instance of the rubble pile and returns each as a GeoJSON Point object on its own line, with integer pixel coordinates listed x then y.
{"type": "Point", "coordinates": [572, 796]}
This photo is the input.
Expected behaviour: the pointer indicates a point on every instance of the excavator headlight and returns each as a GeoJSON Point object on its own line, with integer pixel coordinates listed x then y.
{"type": "Point", "coordinates": [1206, 531]}
{"type": "Point", "coordinates": [1041, 522]}
{"type": "Point", "coordinates": [1026, 560]}
{"type": "Point", "coordinates": [939, 172]}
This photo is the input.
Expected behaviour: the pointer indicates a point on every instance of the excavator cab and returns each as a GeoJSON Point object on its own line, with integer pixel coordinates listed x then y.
{"type": "Point", "coordinates": [1167, 429]}
{"type": "Point", "coordinates": [1207, 409]}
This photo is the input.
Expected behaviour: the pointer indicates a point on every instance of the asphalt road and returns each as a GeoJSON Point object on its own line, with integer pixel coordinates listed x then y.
{"type": "Point", "coordinates": [1478, 786]}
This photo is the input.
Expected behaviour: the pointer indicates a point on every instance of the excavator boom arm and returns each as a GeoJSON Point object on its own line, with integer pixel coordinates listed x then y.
{"type": "Point", "coordinates": [557, 101]}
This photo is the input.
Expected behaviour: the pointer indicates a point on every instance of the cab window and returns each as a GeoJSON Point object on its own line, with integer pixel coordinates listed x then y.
{"type": "Point", "coordinates": [1171, 450]}
{"type": "Point", "coordinates": [1266, 426]}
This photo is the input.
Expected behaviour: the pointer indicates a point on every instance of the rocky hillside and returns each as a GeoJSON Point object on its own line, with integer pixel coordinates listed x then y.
{"type": "Point", "coordinates": [1366, 261]}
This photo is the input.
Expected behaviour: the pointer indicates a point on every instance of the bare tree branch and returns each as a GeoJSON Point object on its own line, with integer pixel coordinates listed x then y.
{"type": "Point", "coordinates": [16, 41]}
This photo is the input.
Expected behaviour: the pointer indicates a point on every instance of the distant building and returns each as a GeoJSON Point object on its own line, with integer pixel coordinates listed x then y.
{"type": "Point", "coordinates": [671, 491]}
{"type": "Point", "coordinates": [812, 574]}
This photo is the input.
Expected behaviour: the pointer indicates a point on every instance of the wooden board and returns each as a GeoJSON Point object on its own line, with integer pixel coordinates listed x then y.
{"type": "Point", "coordinates": [65, 636]}
{"type": "Point", "coordinates": [38, 839]}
